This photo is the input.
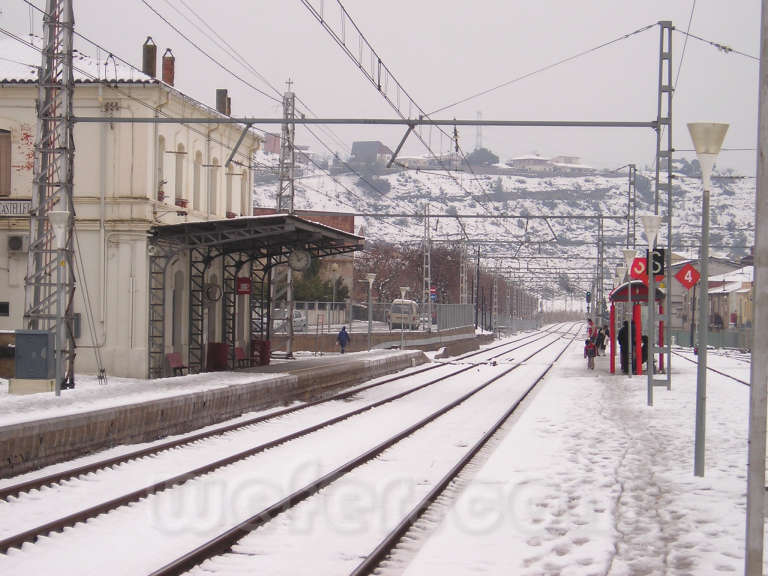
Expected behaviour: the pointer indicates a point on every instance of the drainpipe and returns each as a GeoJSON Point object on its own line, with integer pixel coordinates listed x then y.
{"type": "Point", "coordinates": [208, 161]}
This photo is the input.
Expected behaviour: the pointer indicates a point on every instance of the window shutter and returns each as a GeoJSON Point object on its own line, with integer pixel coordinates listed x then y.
{"type": "Point", "coordinates": [5, 163]}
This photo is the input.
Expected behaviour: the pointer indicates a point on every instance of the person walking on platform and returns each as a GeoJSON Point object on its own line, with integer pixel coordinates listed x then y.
{"type": "Point", "coordinates": [343, 338]}
{"type": "Point", "coordinates": [590, 351]}
{"type": "Point", "coordinates": [599, 341]}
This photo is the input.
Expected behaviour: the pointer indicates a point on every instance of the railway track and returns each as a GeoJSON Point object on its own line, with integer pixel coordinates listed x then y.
{"type": "Point", "coordinates": [224, 541]}
{"type": "Point", "coordinates": [715, 370]}
{"type": "Point", "coordinates": [59, 476]}
{"type": "Point", "coordinates": [84, 513]}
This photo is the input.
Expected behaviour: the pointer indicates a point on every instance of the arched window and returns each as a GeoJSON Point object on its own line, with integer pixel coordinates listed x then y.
{"type": "Point", "coordinates": [179, 176]}
{"type": "Point", "coordinates": [160, 160]}
{"type": "Point", "coordinates": [196, 180]}
{"type": "Point", "coordinates": [213, 200]}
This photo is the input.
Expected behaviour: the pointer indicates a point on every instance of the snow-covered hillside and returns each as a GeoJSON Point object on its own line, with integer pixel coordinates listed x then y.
{"type": "Point", "coordinates": [562, 239]}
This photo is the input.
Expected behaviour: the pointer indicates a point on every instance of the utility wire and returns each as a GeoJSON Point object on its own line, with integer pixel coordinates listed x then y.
{"type": "Point", "coordinates": [685, 45]}
{"type": "Point", "coordinates": [722, 47]}
{"type": "Point", "coordinates": [207, 55]}
{"type": "Point", "coordinates": [544, 68]}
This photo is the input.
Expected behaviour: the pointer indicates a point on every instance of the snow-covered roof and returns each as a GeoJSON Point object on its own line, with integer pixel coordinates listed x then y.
{"type": "Point", "coordinates": [532, 157]}
{"type": "Point", "coordinates": [740, 275]}
{"type": "Point", "coordinates": [21, 58]}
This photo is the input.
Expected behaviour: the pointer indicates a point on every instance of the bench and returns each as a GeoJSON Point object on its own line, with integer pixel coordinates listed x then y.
{"type": "Point", "coordinates": [241, 359]}
{"type": "Point", "coordinates": [175, 364]}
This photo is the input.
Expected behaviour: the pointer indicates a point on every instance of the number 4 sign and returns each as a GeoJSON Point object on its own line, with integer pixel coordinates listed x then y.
{"type": "Point", "coordinates": [688, 276]}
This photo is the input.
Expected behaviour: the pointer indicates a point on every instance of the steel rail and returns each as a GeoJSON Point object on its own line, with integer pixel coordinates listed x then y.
{"type": "Point", "coordinates": [59, 524]}
{"type": "Point", "coordinates": [224, 541]}
{"type": "Point", "coordinates": [381, 551]}
{"type": "Point", "coordinates": [36, 483]}
{"type": "Point", "coordinates": [739, 380]}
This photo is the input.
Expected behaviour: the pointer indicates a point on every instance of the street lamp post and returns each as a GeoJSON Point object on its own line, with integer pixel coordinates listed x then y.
{"type": "Point", "coordinates": [334, 276]}
{"type": "Point", "coordinates": [651, 224]}
{"type": "Point", "coordinates": [707, 139]}
{"type": "Point", "coordinates": [629, 258]}
{"type": "Point", "coordinates": [59, 221]}
{"type": "Point", "coordinates": [370, 277]}
{"type": "Point", "coordinates": [403, 292]}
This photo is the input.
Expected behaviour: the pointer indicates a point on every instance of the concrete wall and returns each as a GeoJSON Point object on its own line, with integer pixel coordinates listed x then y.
{"type": "Point", "coordinates": [31, 445]}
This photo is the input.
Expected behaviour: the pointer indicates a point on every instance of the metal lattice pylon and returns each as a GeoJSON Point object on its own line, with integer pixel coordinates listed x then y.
{"type": "Point", "coordinates": [287, 154]}
{"type": "Point", "coordinates": [53, 179]}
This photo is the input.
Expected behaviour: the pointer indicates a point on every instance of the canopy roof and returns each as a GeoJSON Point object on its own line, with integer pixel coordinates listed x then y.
{"type": "Point", "coordinates": [639, 292]}
{"type": "Point", "coordinates": [259, 236]}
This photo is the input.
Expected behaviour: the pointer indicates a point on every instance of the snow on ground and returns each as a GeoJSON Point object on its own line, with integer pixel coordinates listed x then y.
{"type": "Point", "coordinates": [587, 480]}
{"type": "Point", "coordinates": [591, 480]}
{"type": "Point", "coordinates": [89, 395]}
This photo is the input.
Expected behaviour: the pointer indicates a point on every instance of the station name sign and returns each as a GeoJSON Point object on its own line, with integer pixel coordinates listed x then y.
{"type": "Point", "coordinates": [15, 208]}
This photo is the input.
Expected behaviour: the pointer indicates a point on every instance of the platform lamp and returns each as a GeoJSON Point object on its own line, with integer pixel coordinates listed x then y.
{"type": "Point", "coordinates": [707, 139]}
{"type": "Point", "coordinates": [620, 273]}
{"type": "Point", "coordinates": [629, 258]}
{"type": "Point", "coordinates": [651, 223]}
{"type": "Point", "coordinates": [59, 222]}
{"type": "Point", "coordinates": [370, 277]}
{"type": "Point", "coordinates": [403, 292]}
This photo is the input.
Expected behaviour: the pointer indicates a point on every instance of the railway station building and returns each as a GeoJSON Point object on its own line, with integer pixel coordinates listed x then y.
{"type": "Point", "coordinates": [165, 231]}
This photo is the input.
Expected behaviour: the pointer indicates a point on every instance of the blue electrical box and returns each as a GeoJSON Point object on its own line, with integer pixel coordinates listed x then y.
{"type": "Point", "coordinates": [35, 354]}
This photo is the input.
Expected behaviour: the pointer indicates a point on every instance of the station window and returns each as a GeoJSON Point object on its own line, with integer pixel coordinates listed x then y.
{"type": "Point", "coordinates": [5, 163]}
{"type": "Point", "coordinates": [4, 309]}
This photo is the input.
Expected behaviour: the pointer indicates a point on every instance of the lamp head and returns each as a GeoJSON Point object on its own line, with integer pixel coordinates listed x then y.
{"type": "Point", "coordinates": [707, 139]}
{"type": "Point", "coordinates": [403, 291]}
{"type": "Point", "coordinates": [651, 224]}
{"type": "Point", "coordinates": [370, 277]}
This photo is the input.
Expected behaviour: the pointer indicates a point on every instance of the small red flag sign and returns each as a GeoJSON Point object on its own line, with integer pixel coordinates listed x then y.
{"type": "Point", "coordinates": [688, 276]}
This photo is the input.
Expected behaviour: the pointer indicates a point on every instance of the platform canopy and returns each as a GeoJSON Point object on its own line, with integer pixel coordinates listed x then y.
{"type": "Point", "coordinates": [270, 235]}
{"type": "Point", "coordinates": [639, 292]}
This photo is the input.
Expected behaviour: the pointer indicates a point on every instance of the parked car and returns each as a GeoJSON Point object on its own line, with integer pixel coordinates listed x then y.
{"type": "Point", "coordinates": [403, 314]}
{"type": "Point", "coordinates": [280, 317]}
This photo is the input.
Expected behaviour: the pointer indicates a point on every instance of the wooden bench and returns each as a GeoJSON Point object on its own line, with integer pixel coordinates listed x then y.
{"type": "Point", "coordinates": [241, 358]}
{"type": "Point", "coordinates": [175, 363]}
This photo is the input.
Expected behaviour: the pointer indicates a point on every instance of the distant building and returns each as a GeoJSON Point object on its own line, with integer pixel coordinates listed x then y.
{"type": "Point", "coordinates": [370, 152]}
{"type": "Point", "coordinates": [271, 143]}
{"type": "Point", "coordinates": [535, 164]}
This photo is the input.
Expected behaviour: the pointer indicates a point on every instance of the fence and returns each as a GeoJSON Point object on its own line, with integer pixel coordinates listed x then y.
{"type": "Point", "coordinates": [740, 338]}
{"type": "Point", "coordinates": [326, 317]}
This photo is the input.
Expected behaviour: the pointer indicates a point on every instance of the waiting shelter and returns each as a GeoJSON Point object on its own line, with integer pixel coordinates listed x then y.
{"type": "Point", "coordinates": [636, 293]}
{"type": "Point", "coordinates": [229, 264]}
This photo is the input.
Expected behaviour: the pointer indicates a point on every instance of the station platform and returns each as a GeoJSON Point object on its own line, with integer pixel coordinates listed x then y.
{"type": "Point", "coordinates": [42, 429]}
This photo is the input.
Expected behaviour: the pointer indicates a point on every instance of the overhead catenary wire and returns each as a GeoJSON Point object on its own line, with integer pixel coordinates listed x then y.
{"type": "Point", "coordinates": [544, 68]}
{"type": "Point", "coordinates": [237, 57]}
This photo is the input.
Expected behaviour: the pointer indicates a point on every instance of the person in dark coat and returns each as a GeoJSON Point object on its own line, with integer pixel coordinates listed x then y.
{"type": "Point", "coordinates": [343, 338]}
{"type": "Point", "coordinates": [624, 346]}
{"type": "Point", "coordinates": [599, 341]}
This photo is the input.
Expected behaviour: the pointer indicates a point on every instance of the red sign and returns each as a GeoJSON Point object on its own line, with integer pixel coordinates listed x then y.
{"type": "Point", "coordinates": [639, 271]}
{"type": "Point", "coordinates": [243, 285]}
{"type": "Point", "coordinates": [688, 276]}
{"type": "Point", "coordinates": [432, 290]}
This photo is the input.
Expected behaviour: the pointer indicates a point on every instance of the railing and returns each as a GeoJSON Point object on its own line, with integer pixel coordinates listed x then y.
{"type": "Point", "coordinates": [329, 317]}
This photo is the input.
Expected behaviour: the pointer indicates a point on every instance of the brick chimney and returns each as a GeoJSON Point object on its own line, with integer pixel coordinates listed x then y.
{"type": "Point", "coordinates": [149, 57]}
{"type": "Point", "coordinates": [169, 67]}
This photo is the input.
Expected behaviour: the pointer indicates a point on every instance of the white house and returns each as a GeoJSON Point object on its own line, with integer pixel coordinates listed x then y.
{"type": "Point", "coordinates": [128, 178]}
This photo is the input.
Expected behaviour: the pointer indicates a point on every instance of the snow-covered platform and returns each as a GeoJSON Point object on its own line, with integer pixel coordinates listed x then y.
{"type": "Point", "coordinates": [41, 429]}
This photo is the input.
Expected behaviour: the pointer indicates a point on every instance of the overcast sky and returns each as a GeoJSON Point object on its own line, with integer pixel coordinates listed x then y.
{"type": "Point", "coordinates": [443, 51]}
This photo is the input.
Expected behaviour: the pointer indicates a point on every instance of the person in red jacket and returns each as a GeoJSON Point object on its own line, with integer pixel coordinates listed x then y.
{"type": "Point", "coordinates": [590, 351]}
